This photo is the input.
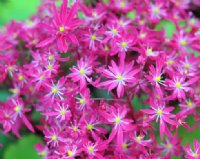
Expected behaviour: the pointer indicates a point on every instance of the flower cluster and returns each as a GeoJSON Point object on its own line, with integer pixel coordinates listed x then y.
{"type": "Point", "coordinates": [80, 66]}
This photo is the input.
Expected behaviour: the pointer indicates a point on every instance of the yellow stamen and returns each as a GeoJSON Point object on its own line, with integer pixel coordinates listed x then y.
{"type": "Point", "coordinates": [156, 10]}
{"type": "Point", "coordinates": [169, 146]}
{"type": "Point", "coordinates": [124, 44]}
{"type": "Point", "coordinates": [189, 103]}
{"type": "Point", "coordinates": [149, 51]}
{"type": "Point", "coordinates": [183, 42]}
{"type": "Point", "coordinates": [138, 138]}
{"type": "Point", "coordinates": [170, 62]}
{"type": "Point", "coordinates": [94, 14]}
{"type": "Point", "coordinates": [82, 101]}
{"type": "Point", "coordinates": [50, 67]}
{"type": "Point", "coordinates": [117, 120]}
{"type": "Point", "coordinates": [54, 137]}
{"type": "Point", "coordinates": [82, 71]}
{"type": "Point", "coordinates": [159, 111]}
{"type": "Point", "coordinates": [90, 149]}
{"type": "Point", "coordinates": [50, 57]}
{"type": "Point", "coordinates": [54, 90]}
{"type": "Point", "coordinates": [178, 85]}
{"type": "Point", "coordinates": [158, 78]}
{"type": "Point", "coordinates": [89, 127]}
{"type": "Point", "coordinates": [20, 77]}
{"type": "Point", "coordinates": [119, 77]}
{"type": "Point", "coordinates": [187, 65]}
{"type": "Point", "coordinates": [93, 37]}
{"type": "Point", "coordinates": [122, 4]}
{"type": "Point", "coordinates": [114, 31]}
{"type": "Point", "coordinates": [195, 155]}
{"type": "Point", "coordinates": [63, 112]}
{"type": "Point", "coordinates": [17, 109]}
{"type": "Point", "coordinates": [43, 153]}
{"type": "Point", "coordinates": [61, 29]}
{"type": "Point", "coordinates": [75, 129]}
{"type": "Point", "coordinates": [70, 153]}
{"type": "Point", "coordinates": [142, 35]}
{"type": "Point", "coordinates": [124, 146]}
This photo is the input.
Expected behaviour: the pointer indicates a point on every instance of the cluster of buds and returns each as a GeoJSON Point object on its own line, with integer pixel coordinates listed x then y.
{"type": "Point", "coordinates": [82, 65]}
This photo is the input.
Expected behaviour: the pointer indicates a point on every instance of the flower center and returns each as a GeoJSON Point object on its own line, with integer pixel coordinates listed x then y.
{"type": "Point", "coordinates": [169, 146]}
{"type": "Point", "coordinates": [156, 10]}
{"type": "Point", "coordinates": [82, 101]}
{"type": "Point", "coordinates": [187, 65]}
{"type": "Point", "coordinates": [89, 127]}
{"type": "Point", "coordinates": [189, 103]}
{"type": "Point", "coordinates": [122, 4]}
{"type": "Point", "coordinates": [17, 109]}
{"type": "Point", "coordinates": [54, 90]}
{"type": "Point", "coordinates": [93, 37]}
{"type": "Point", "coordinates": [178, 85]}
{"type": "Point", "coordinates": [117, 120]}
{"type": "Point", "coordinates": [20, 77]}
{"type": "Point", "coordinates": [50, 57]}
{"type": "Point", "coordinates": [195, 155]}
{"type": "Point", "coordinates": [114, 31]}
{"type": "Point", "coordinates": [124, 145]}
{"type": "Point", "coordinates": [170, 62]}
{"type": "Point", "coordinates": [149, 51]}
{"type": "Point", "coordinates": [142, 35]}
{"type": "Point", "coordinates": [120, 78]}
{"type": "Point", "coordinates": [63, 112]}
{"type": "Point", "coordinates": [124, 44]}
{"type": "Point", "coordinates": [90, 149]}
{"type": "Point", "coordinates": [82, 71]}
{"type": "Point", "coordinates": [94, 14]}
{"type": "Point", "coordinates": [183, 42]}
{"type": "Point", "coordinates": [138, 138]}
{"type": "Point", "coordinates": [61, 29]}
{"type": "Point", "coordinates": [70, 153]}
{"type": "Point", "coordinates": [43, 153]}
{"type": "Point", "coordinates": [54, 137]}
{"type": "Point", "coordinates": [75, 129]}
{"type": "Point", "coordinates": [159, 111]}
{"type": "Point", "coordinates": [158, 78]}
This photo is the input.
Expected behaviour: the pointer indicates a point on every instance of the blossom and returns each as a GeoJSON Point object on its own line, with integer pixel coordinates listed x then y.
{"type": "Point", "coordinates": [162, 114]}
{"type": "Point", "coordinates": [120, 76]}
{"type": "Point", "coordinates": [63, 28]}
{"type": "Point", "coordinates": [193, 154]}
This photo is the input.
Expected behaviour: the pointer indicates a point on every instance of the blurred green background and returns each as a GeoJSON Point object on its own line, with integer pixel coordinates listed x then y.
{"type": "Point", "coordinates": [23, 148]}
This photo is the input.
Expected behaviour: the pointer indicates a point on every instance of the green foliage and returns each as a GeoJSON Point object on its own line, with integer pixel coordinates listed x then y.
{"type": "Point", "coordinates": [168, 26]}
{"type": "Point", "coordinates": [23, 148]}
{"type": "Point", "coordinates": [4, 94]}
{"type": "Point", "coordinates": [17, 9]}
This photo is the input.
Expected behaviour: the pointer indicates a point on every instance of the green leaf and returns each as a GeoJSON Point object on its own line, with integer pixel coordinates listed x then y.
{"type": "Point", "coordinates": [131, 15]}
{"type": "Point", "coordinates": [4, 94]}
{"type": "Point", "coordinates": [168, 26]}
{"type": "Point", "coordinates": [17, 9]}
{"type": "Point", "coordinates": [189, 137]}
{"type": "Point", "coordinates": [23, 148]}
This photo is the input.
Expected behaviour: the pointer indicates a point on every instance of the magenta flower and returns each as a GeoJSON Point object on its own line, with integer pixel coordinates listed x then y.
{"type": "Point", "coordinates": [62, 28]}
{"type": "Point", "coordinates": [116, 117]}
{"type": "Point", "coordinates": [119, 76]}
{"type": "Point", "coordinates": [180, 87]}
{"type": "Point", "coordinates": [163, 115]}
{"type": "Point", "coordinates": [81, 72]}
{"type": "Point", "coordinates": [190, 154]}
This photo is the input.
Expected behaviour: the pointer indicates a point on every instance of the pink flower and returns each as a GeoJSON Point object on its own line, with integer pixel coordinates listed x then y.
{"type": "Point", "coordinates": [162, 114]}
{"type": "Point", "coordinates": [190, 154]}
{"type": "Point", "coordinates": [116, 117]}
{"type": "Point", "coordinates": [63, 27]}
{"type": "Point", "coordinates": [121, 76]}
{"type": "Point", "coordinates": [81, 72]}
